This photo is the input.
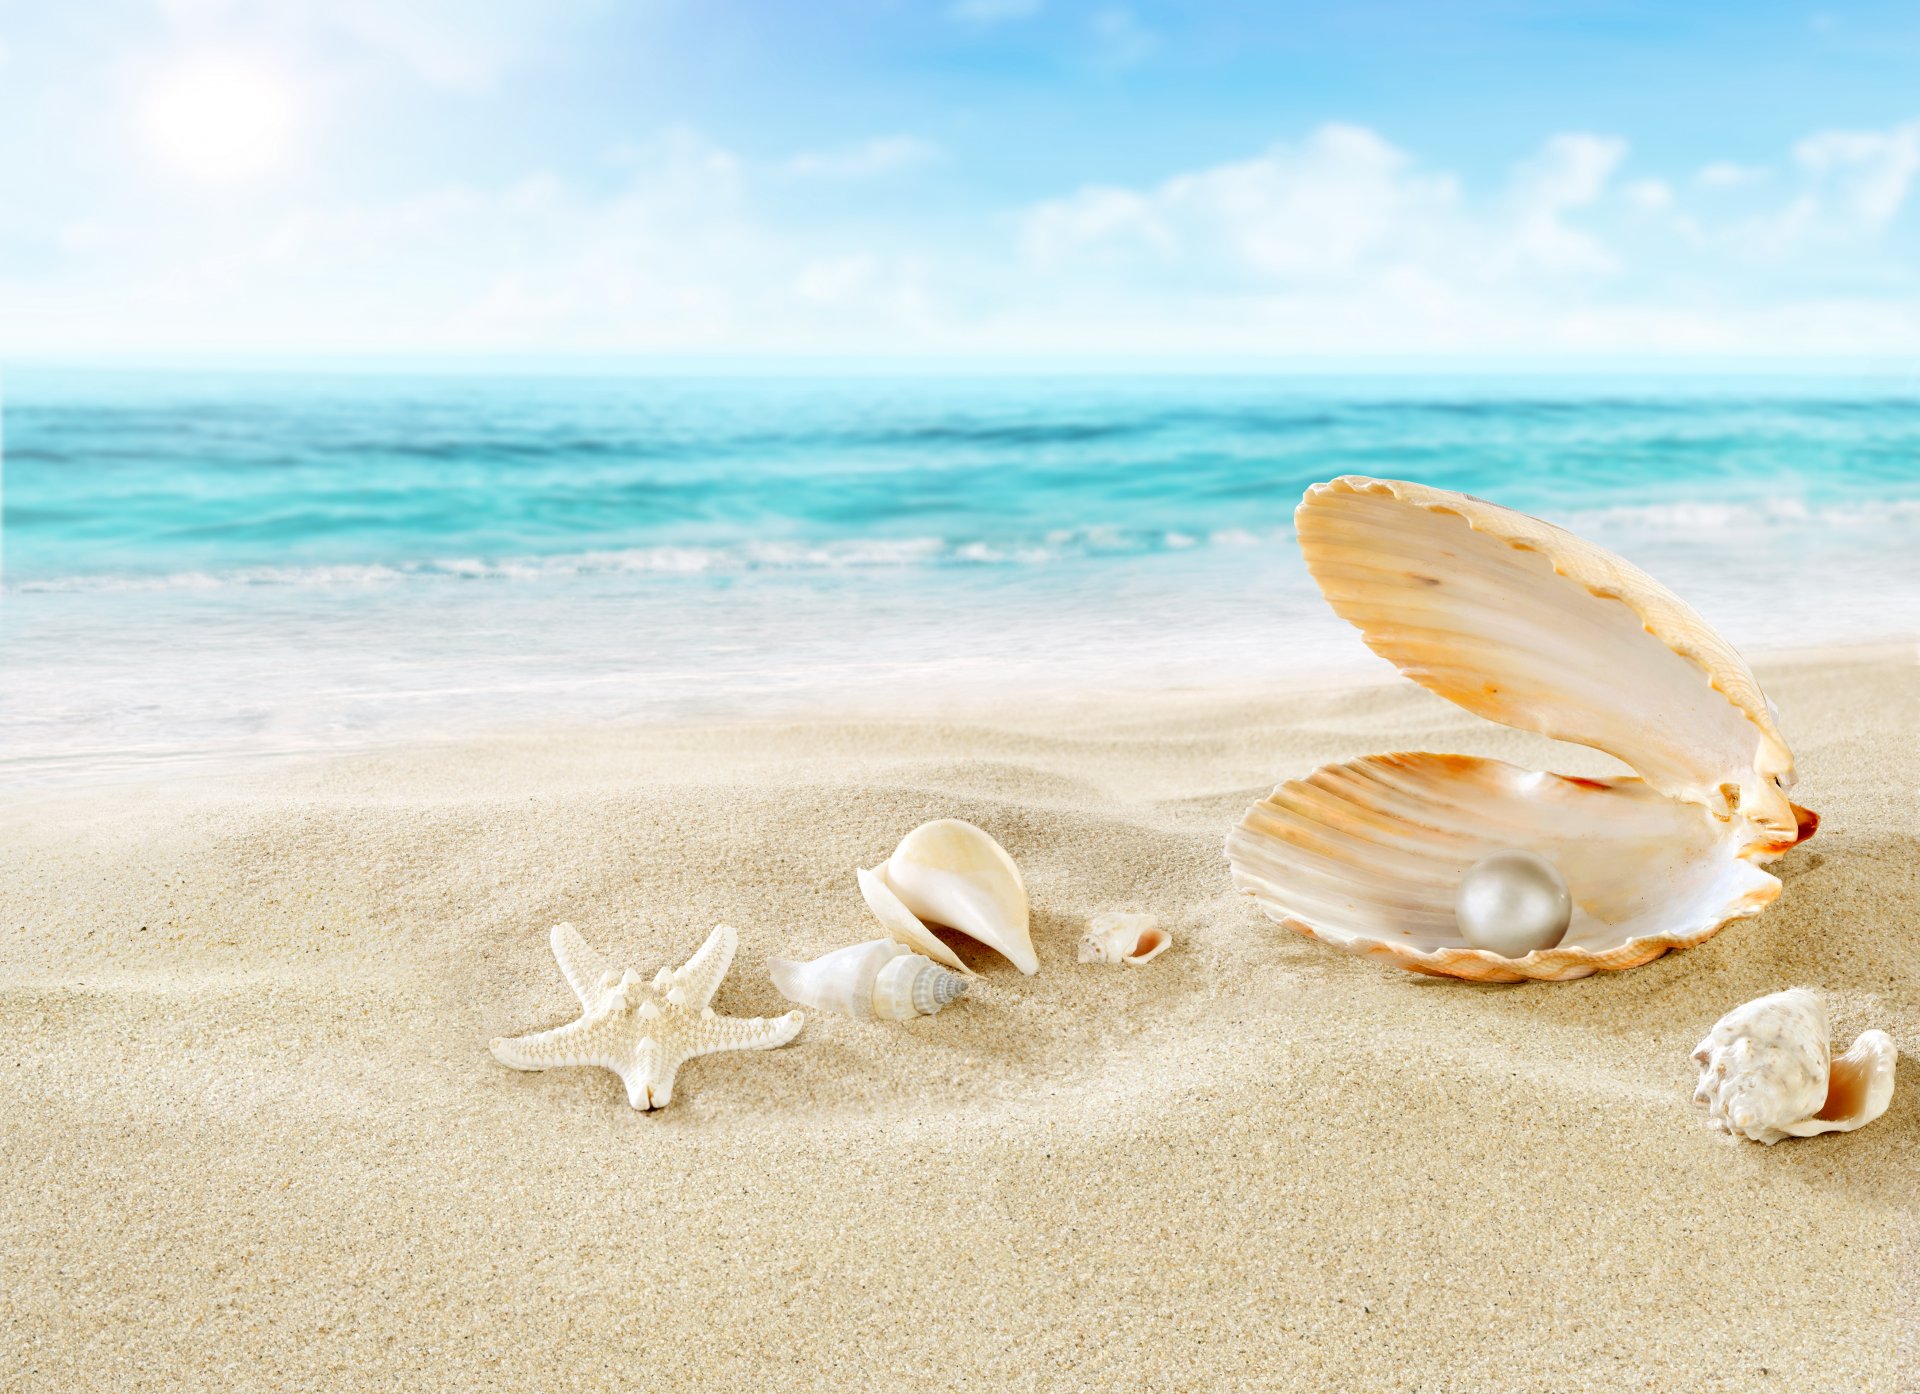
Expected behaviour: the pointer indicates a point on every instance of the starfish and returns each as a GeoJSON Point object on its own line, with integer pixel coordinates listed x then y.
{"type": "Point", "coordinates": [644, 1032]}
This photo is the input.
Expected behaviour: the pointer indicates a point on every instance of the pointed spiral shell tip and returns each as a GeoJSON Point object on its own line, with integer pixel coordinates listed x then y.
{"type": "Point", "coordinates": [934, 987]}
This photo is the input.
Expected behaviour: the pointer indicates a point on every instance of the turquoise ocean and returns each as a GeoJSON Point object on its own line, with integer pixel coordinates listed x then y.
{"type": "Point", "coordinates": [201, 568]}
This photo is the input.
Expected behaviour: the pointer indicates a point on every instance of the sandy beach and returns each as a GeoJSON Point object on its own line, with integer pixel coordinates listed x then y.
{"type": "Point", "coordinates": [254, 1140]}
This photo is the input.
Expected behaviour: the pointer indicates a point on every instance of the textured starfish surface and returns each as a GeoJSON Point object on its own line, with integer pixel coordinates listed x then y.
{"type": "Point", "coordinates": [644, 1032]}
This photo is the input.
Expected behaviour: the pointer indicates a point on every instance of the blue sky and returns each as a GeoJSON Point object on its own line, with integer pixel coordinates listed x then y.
{"type": "Point", "coordinates": [967, 178]}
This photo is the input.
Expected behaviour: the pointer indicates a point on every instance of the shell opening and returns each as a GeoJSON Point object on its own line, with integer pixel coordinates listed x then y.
{"type": "Point", "coordinates": [1857, 1077]}
{"type": "Point", "coordinates": [1368, 856]}
{"type": "Point", "coordinates": [1150, 946]}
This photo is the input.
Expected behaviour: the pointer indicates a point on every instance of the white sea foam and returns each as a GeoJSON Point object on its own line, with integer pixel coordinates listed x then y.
{"type": "Point", "coordinates": [659, 561]}
{"type": "Point", "coordinates": [1661, 519]}
{"type": "Point", "coordinates": [847, 555]}
{"type": "Point", "coordinates": [1241, 537]}
{"type": "Point", "coordinates": [1619, 526]}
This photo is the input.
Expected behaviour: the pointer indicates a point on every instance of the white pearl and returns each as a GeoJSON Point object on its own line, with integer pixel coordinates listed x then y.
{"type": "Point", "coordinates": [1513, 903]}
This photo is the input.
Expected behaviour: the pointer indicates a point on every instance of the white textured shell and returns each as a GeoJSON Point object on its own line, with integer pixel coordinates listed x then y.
{"type": "Point", "coordinates": [1767, 1072]}
{"type": "Point", "coordinates": [1522, 622]}
{"type": "Point", "coordinates": [949, 872]}
{"type": "Point", "coordinates": [1119, 936]}
{"type": "Point", "coordinates": [879, 980]}
{"type": "Point", "coordinates": [905, 926]}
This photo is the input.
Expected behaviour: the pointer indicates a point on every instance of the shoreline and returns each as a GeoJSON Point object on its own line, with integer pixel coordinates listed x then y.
{"type": "Point", "coordinates": [1052, 705]}
{"type": "Point", "coordinates": [263, 1144]}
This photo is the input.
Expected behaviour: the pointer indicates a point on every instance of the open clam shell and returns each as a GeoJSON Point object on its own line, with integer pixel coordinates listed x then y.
{"type": "Point", "coordinates": [1367, 856]}
{"type": "Point", "coordinates": [1528, 625]}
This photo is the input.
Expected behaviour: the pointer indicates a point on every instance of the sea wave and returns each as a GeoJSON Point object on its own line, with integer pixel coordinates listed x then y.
{"type": "Point", "coordinates": [1710, 517]}
{"type": "Point", "coordinates": [864, 554]}
{"type": "Point", "coordinates": [1618, 525]}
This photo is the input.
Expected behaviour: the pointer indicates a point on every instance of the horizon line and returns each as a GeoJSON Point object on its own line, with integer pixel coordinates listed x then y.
{"type": "Point", "coordinates": [656, 364]}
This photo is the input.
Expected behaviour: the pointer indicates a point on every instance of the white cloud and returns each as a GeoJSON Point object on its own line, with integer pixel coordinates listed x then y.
{"type": "Point", "coordinates": [1851, 186]}
{"type": "Point", "coordinates": [1342, 204]}
{"type": "Point", "coordinates": [1342, 242]}
{"type": "Point", "coordinates": [686, 255]}
{"type": "Point", "coordinates": [1651, 195]}
{"type": "Point", "coordinates": [868, 293]}
{"type": "Point", "coordinates": [835, 280]}
{"type": "Point", "coordinates": [1569, 173]}
{"type": "Point", "coordinates": [1863, 174]}
{"type": "Point", "coordinates": [458, 44]}
{"type": "Point", "coordinates": [1093, 219]}
{"type": "Point", "coordinates": [447, 42]}
{"type": "Point", "coordinates": [1571, 170]}
{"type": "Point", "coordinates": [1727, 174]}
{"type": "Point", "coordinates": [1347, 243]}
{"type": "Point", "coordinates": [1330, 206]}
{"type": "Point", "coordinates": [1120, 40]}
{"type": "Point", "coordinates": [1321, 207]}
{"type": "Point", "coordinates": [992, 11]}
{"type": "Point", "coordinates": [865, 160]}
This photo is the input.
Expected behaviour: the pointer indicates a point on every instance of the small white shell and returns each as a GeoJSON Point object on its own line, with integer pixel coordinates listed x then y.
{"type": "Point", "coordinates": [1121, 937]}
{"type": "Point", "coordinates": [951, 873]}
{"type": "Point", "coordinates": [880, 979]}
{"type": "Point", "coordinates": [1767, 1072]}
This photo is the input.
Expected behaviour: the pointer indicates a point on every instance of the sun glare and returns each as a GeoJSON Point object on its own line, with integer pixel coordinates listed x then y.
{"type": "Point", "coordinates": [220, 118]}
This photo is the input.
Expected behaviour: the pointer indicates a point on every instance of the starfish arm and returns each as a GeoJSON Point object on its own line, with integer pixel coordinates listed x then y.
{"type": "Point", "coordinates": [695, 981]}
{"type": "Point", "coordinates": [648, 1073]}
{"type": "Point", "coordinates": [573, 1044]}
{"type": "Point", "coordinates": [746, 1033]}
{"type": "Point", "coordinates": [582, 967]}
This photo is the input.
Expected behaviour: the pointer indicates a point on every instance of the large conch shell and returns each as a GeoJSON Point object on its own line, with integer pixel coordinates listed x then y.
{"type": "Point", "coordinates": [1767, 1072]}
{"type": "Point", "coordinates": [1523, 623]}
{"type": "Point", "coordinates": [949, 872]}
{"type": "Point", "coordinates": [881, 979]}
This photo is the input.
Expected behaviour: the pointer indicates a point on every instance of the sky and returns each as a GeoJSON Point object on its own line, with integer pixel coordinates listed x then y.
{"type": "Point", "coordinates": [994, 180]}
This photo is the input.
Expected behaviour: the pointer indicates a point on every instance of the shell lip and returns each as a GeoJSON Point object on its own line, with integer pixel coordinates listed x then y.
{"type": "Point", "coordinates": [1773, 759]}
{"type": "Point", "coordinates": [905, 910]}
{"type": "Point", "coordinates": [1446, 960]}
{"type": "Point", "coordinates": [902, 924]}
{"type": "Point", "coordinates": [1157, 942]}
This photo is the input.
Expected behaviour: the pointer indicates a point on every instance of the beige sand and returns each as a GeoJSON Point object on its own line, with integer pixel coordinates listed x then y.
{"type": "Point", "coordinates": [253, 1138]}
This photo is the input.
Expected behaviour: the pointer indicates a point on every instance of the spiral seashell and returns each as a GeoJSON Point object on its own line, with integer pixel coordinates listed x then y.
{"type": "Point", "coordinates": [1121, 937]}
{"type": "Point", "coordinates": [949, 872]}
{"type": "Point", "coordinates": [879, 980]}
{"type": "Point", "coordinates": [1767, 1072]}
